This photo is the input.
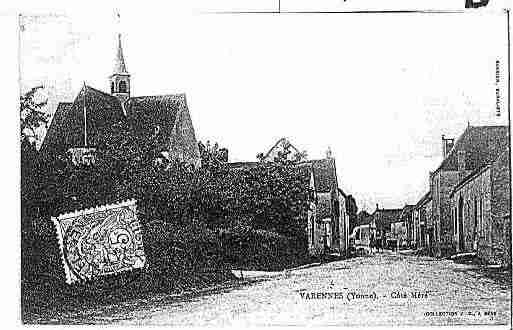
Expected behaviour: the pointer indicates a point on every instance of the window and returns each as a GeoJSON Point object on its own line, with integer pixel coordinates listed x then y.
{"type": "Point", "coordinates": [112, 87]}
{"type": "Point", "coordinates": [122, 87]}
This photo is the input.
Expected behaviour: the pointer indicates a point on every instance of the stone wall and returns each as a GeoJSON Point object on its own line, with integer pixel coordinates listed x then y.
{"type": "Point", "coordinates": [476, 201]}
{"type": "Point", "coordinates": [338, 225]}
{"type": "Point", "coordinates": [442, 184]}
{"type": "Point", "coordinates": [501, 210]}
{"type": "Point", "coordinates": [486, 213]}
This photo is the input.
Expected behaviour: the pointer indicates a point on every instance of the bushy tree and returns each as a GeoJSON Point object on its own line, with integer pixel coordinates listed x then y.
{"type": "Point", "coordinates": [212, 156]}
{"type": "Point", "coordinates": [32, 115]}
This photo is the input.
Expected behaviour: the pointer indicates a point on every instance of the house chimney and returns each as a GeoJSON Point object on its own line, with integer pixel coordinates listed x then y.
{"type": "Point", "coordinates": [447, 144]}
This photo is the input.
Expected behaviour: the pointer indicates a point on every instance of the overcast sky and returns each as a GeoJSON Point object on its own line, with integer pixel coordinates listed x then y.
{"type": "Point", "coordinates": [378, 89]}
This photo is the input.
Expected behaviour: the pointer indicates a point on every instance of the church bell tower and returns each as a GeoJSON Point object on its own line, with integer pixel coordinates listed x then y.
{"type": "Point", "coordinates": [120, 78]}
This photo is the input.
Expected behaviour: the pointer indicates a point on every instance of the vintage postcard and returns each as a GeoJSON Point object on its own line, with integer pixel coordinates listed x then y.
{"type": "Point", "coordinates": [274, 165]}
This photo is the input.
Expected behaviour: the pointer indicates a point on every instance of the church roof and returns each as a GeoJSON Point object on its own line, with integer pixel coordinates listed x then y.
{"type": "Point", "coordinates": [119, 62]}
{"type": "Point", "coordinates": [102, 110]}
{"type": "Point", "coordinates": [68, 126]}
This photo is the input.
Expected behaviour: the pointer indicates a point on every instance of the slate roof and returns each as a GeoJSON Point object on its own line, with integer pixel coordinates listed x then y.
{"type": "Point", "coordinates": [103, 110]}
{"type": "Point", "coordinates": [119, 63]}
{"type": "Point", "coordinates": [481, 144]}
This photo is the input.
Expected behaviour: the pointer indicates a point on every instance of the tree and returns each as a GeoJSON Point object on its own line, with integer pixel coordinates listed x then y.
{"type": "Point", "coordinates": [211, 155]}
{"type": "Point", "coordinates": [32, 118]}
{"type": "Point", "coordinates": [31, 115]}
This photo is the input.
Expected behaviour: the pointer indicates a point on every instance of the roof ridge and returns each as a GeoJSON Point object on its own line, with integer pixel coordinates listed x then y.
{"type": "Point", "coordinates": [97, 91]}
{"type": "Point", "coordinates": [490, 126]}
{"type": "Point", "coordinates": [159, 95]}
{"type": "Point", "coordinates": [276, 144]}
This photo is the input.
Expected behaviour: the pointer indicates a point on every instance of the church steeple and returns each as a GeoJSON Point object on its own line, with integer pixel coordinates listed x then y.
{"type": "Point", "coordinates": [120, 78]}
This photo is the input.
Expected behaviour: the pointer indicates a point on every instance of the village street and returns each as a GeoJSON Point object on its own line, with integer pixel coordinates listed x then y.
{"type": "Point", "coordinates": [378, 288]}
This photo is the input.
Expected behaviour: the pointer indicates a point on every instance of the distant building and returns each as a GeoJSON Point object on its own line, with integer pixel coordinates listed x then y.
{"type": "Point", "coordinates": [476, 147]}
{"type": "Point", "coordinates": [481, 212]}
{"type": "Point", "coordinates": [364, 228]}
{"type": "Point", "coordinates": [328, 219]}
{"type": "Point", "coordinates": [76, 126]}
{"type": "Point", "coordinates": [398, 235]}
{"type": "Point", "coordinates": [383, 219]}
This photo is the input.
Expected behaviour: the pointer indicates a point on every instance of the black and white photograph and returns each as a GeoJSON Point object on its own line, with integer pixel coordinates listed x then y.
{"type": "Point", "coordinates": [330, 163]}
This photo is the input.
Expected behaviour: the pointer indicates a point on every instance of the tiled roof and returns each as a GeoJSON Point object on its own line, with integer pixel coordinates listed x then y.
{"type": "Point", "coordinates": [155, 111]}
{"type": "Point", "coordinates": [53, 139]}
{"type": "Point", "coordinates": [481, 144]}
{"type": "Point", "coordinates": [103, 110]}
{"type": "Point", "coordinates": [67, 127]}
{"type": "Point", "coordinates": [325, 175]}
{"type": "Point", "coordinates": [478, 171]}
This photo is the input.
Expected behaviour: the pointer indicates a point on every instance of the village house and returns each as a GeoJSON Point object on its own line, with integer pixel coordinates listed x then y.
{"type": "Point", "coordinates": [422, 224]}
{"type": "Point", "coordinates": [284, 150]}
{"type": "Point", "coordinates": [481, 212]}
{"type": "Point", "coordinates": [476, 147]}
{"type": "Point", "coordinates": [407, 219]}
{"type": "Point", "coordinates": [327, 221]}
{"type": "Point", "coordinates": [75, 127]}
